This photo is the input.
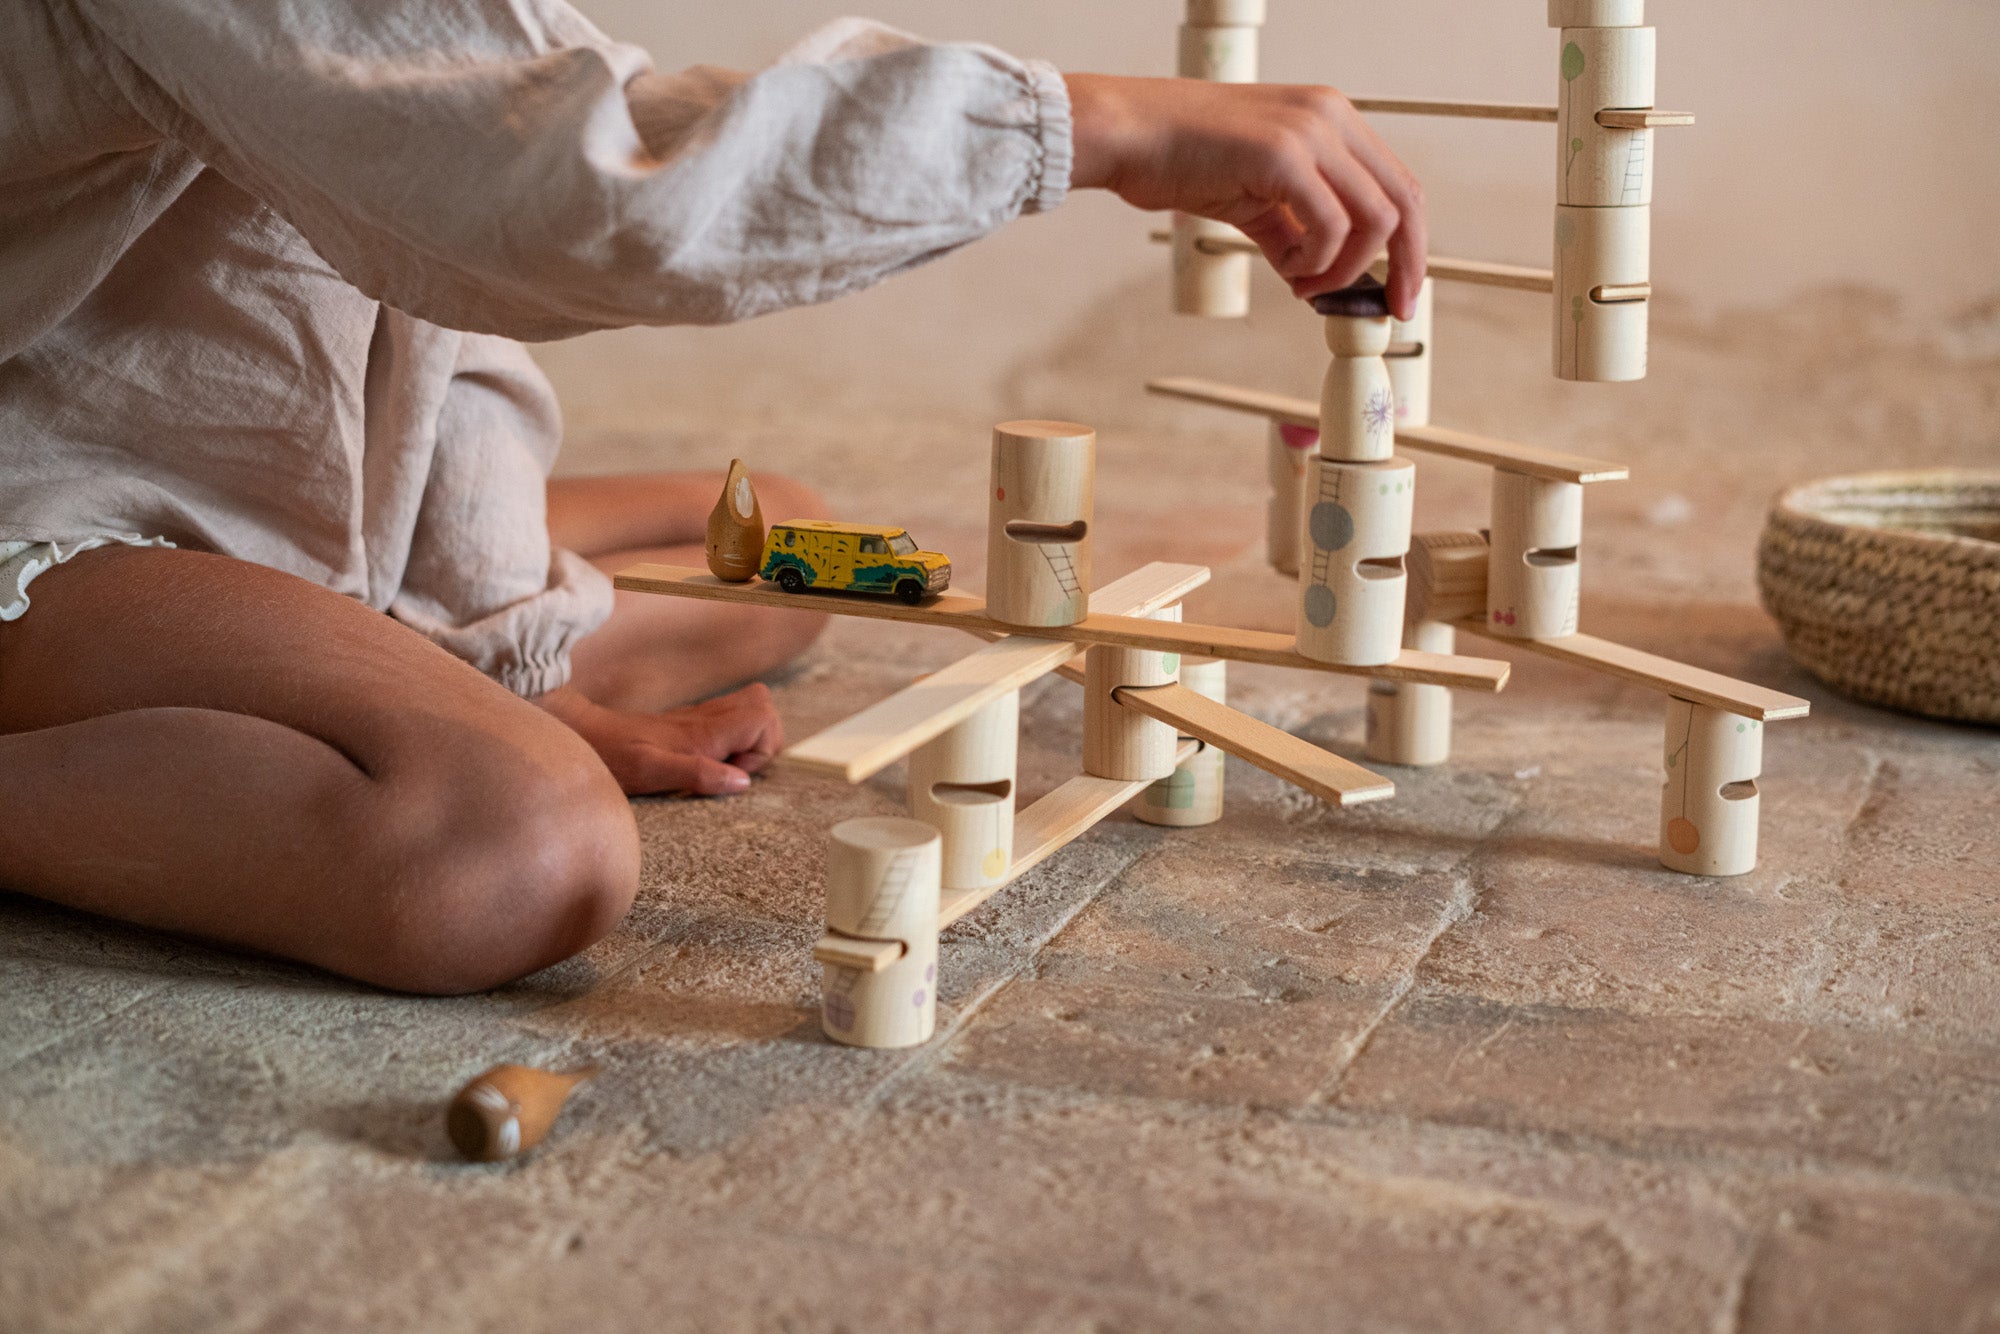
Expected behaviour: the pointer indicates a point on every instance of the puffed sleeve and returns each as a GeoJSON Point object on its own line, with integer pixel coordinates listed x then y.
{"type": "Point", "coordinates": [501, 166]}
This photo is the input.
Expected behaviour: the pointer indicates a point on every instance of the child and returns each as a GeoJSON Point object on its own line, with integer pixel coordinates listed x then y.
{"type": "Point", "coordinates": [263, 263]}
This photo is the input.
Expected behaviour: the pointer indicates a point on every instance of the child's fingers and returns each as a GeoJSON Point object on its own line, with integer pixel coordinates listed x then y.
{"type": "Point", "coordinates": [1409, 240]}
{"type": "Point", "coordinates": [697, 774]}
{"type": "Point", "coordinates": [1373, 218]}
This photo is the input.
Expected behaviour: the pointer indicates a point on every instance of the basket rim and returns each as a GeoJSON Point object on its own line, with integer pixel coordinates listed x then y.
{"type": "Point", "coordinates": [1795, 503]}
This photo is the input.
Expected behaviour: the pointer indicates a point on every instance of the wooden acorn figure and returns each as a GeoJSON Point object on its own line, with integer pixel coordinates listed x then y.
{"type": "Point", "coordinates": [735, 529]}
{"type": "Point", "coordinates": [508, 1110]}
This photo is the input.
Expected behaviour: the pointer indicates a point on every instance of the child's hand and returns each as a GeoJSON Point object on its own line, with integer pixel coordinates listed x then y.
{"type": "Point", "coordinates": [707, 749]}
{"type": "Point", "coordinates": [1295, 167]}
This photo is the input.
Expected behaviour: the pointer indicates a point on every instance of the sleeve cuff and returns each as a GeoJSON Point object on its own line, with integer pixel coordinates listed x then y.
{"type": "Point", "coordinates": [1048, 185]}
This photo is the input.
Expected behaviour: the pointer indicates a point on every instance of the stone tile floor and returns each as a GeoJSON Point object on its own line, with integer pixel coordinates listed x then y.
{"type": "Point", "coordinates": [1466, 1060]}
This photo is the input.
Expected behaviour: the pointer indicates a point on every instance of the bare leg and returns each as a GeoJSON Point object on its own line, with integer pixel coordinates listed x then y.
{"type": "Point", "coordinates": [660, 653]}
{"type": "Point", "coordinates": [211, 747]}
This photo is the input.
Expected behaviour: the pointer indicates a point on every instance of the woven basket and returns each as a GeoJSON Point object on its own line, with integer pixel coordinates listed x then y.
{"type": "Point", "coordinates": [1887, 586]}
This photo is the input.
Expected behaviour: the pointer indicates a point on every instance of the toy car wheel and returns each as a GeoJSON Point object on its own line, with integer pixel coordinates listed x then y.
{"type": "Point", "coordinates": [791, 581]}
{"type": "Point", "coordinates": [909, 591]}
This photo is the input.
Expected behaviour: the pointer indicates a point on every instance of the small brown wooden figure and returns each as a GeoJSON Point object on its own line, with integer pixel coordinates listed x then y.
{"type": "Point", "coordinates": [1408, 722]}
{"type": "Point", "coordinates": [1708, 807]}
{"type": "Point", "coordinates": [1357, 404]}
{"type": "Point", "coordinates": [1192, 794]}
{"type": "Point", "coordinates": [1409, 360]}
{"type": "Point", "coordinates": [1288, 458]}
{"type": "Point", "coordinates": [1218, 42]}
{"type": "Point", "coordinates": [735, 528]}
{"type": "Point", "coordinates": [881, 890]}
{"type": "Point", "coordinates": [1117, 742]}
{"type": "Point", "coordinates": [1533, 575]}
{"type": "Point", "coordinates": [1038, 523]}
{"type": "Point", "coordinates": [508, 1110]}
{"type": "Point", "coordinates": [962, 785]}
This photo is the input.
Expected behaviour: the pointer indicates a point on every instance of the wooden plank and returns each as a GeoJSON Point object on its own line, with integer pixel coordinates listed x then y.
{"type": "Point", "coordinates": [1049, 825]}
{"type": "Point", "coordinates": [1663, 674]}
{"type": "Point", "coordinates": [861, 746]}
{"type": "Point", "coordinates": [964, 613]}
{"type": "Point", "coordinates": [1649, 119]}
{"type": "Point", "coordinates": [1506, 455]}
{"type": "Point", "coordinates": [1403, 106]}
{"type": "Point", "coordinates": [870, 956]}
{"type": "Point", "coordinates": [1300, 763]}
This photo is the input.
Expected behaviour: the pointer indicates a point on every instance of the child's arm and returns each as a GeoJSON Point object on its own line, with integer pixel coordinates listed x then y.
{"type": "Point", "coordinates": [507, 168]}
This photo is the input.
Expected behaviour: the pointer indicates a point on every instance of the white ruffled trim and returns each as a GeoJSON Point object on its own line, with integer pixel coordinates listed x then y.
{"type": "Point", "coordinates": [1055, 132]}
{"type": "Point", "coordinates": [20, 562]}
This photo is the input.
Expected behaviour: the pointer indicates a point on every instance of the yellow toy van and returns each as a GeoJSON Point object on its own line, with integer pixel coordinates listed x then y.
{"type": "Point", "coordinates": [851, 558]}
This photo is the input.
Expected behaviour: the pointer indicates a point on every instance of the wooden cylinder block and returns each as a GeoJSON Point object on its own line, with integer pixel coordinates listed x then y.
{"type": "Point", "coordinates": [1447, 577]}
{"type": "Point", "coordinates": [1708, 808]}
{"type": "Point", "coordinates": [1351, 576]}
{"type": "Point", "coordinates": [1192, 794]}
{"type": "Point", "coordinates": [1357, 400]}
{"type": "Point", "coordinates": [1409, 359]}
{"type": "Point", "coordinates": [1603, 69]}
{"type": "Point", "coordinates": [1218, 52]}
{"type": "Point", "coordinates": [1213, 286]}
{"type": "Point", "coordinates": [1226, 13]}
{"type": "Point", "coordinates": [1117, 742]}
{"type": "Point", "coordinates": [1410, 723]}
{"type": "Point", "coordinates": [1598, 249]}
{"type": "Point", "coordinates": [1596, 13]}
{"type": "Point", "coordinates": [962, 785]}
{"type": "Point", "coordinates": [1038, 523]}
{"type": "Point", "coordinates": [882, 884]}
{"type": "Point", "coordinates": [1533, 575]}
{"type": "Point", "coordinates": [1288, 459]}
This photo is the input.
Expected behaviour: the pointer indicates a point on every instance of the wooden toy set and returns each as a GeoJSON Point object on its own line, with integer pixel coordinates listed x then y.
{"type": "Point", "coordinates": [1374, 600]}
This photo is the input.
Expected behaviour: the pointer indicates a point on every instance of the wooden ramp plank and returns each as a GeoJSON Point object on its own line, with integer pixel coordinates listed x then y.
{"type": "Point", "coordinates": [1052, 823]}
{"type": "Point", "coordinates": [1696, 684]}
{"type": "Point", "coordinates": [856, 749]}
{"type": "Point", "coordinates": [1532, 460]}
{"type": "Point", "coordinates": [966, 613]}
{"type": "Point", "coordinates": [1300, 763]}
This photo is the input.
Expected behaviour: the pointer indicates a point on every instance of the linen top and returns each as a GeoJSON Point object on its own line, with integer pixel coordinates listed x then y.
{"type": "Point", "coordinates": [262, 263]}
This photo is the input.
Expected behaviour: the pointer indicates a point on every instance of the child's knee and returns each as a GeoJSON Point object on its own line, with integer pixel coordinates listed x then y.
{"type": "Point", "coordinates": [525, 868]}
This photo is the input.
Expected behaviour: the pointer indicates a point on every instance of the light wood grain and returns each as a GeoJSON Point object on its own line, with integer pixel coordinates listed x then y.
{"type": "Point", "coordinates": [1612, 119]}
{"type": "Point", "coordinates": [1403, 106]}
{"type": "Point", "coordinates": [1472, 272]}
{"type": "Point", "coordinates": [1532, 460]}
{"type": "Point", "coordinates": [868, 742]}
{"type": "Point", "coordinates": [1663, 674]}
{"type": "Point", "coordinates": [964, 613]}
{"type": "Point", "coordinates": [870, 956]}
{"type": "Point", "coordinates": [1047, 826]}
{"type": "Point", "coordinates": [1709, 805]}
{"type": "Point", "coordinates": [1300, 763]}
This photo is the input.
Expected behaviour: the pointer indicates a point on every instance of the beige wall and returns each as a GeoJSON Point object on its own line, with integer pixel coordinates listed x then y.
{"type": "Point", "coordinates": [1842, 143]}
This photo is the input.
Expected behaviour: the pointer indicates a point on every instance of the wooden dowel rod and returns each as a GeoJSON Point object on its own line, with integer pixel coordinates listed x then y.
{"type": "Point", "coordinates": [1398, 106]}
{"type": "Point", "coordinates": [1643, 120]}
{"type": "Point", "coordinates": [1474, 272]}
